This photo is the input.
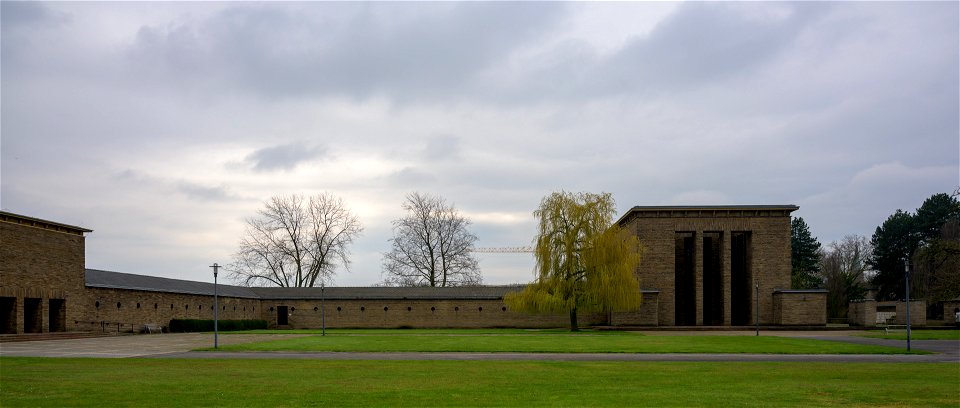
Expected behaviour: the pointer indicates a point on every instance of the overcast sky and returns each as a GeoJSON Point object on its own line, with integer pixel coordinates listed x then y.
{"type": "Point", "coordinates": [162, 126]}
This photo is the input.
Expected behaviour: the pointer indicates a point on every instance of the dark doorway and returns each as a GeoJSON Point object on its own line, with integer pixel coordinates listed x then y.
{"type": "Point", "coordinates": [58, 315]}
{"type": "Point", "coordinates": [712, 279]}
{"type": "Point", "coordinates": [32, 319]}
{"type": "Point", "coordinates": [8, 315]}
{"type": "Point", "coordinates": [684, 279]}
{"type": "Point", "coordinates": [741, 279]}
{"type": "Point", "coordinates": [282, 316]}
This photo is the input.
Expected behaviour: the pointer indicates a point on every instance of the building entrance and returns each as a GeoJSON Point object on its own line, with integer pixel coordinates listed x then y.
{"type": "Point", "coordinates": [32, 319]}
{"type": "Point", "coordinates": [713, 278]}
{"type": "Point", "coordinates": [685, 279]}
{"type": "Point", "coordinates": [57, 315]}
{"type": "Point", "coordinates": [282, 316]}
{"type": "Point", "coordinates": [8, 315]}
{"type": "Point", "coordinates": [741, 279]}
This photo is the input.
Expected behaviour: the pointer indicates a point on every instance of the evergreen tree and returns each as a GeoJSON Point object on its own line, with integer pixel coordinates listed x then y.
{"type": "Point", "coordinates": [893, 243]}
{"type": "Point", "coordinates": [804, 256]}
{"type": "Point", "coordinates": [902, 237]}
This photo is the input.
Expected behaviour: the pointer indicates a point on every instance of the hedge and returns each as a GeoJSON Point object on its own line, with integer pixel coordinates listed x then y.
{"type": "Point", "coordinates": [198, 325]}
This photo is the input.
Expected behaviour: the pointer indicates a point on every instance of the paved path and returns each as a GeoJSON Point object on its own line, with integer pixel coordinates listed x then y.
{"type": "Point", "coordinates": [179, 346]}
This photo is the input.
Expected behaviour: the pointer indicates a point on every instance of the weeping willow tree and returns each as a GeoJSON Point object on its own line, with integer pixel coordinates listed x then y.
{"type": "Point", "coordinates": [583, 263]}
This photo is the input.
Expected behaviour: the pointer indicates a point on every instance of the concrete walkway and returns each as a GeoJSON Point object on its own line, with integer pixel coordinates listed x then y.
{"type": "Point", "coordinates": [129, 346]}
{"type": "Point", "coordinates": [179, 345]}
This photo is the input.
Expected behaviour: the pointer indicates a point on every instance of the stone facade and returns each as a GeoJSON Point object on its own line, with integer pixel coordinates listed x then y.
{"type": "Point", "coordinates": [41, 274]}
{"type": "Point", "coordinates": [871, 313]}
{"type": "Point", "coordinates": [424, 313]}
{"type": "Point", "coordinates": [862, 313]}
{"type": "Point", "coordinates": [709, 262]}
{"type": "Point", "coordinates": [800, 307]}
{"type": "Point", "coordinates": [126, 310]}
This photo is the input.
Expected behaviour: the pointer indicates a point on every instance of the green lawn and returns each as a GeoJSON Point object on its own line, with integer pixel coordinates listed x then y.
{"type": "Point", "coordinates": [554, 342]}
{"type": "Point", "coordinates": [915, 335]}
{"type": "Point", "coordinates": [161, 382]}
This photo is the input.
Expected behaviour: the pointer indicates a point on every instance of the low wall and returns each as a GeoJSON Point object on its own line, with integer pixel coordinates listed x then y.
{"type": "Point", "coordinates": [135, 308]}
{"type": "Point", "coordinates": [800, 307]}
{"type": "Point", "coordinates": [360, 313]}
{"type": "Point", "coordinates": [862, 313]}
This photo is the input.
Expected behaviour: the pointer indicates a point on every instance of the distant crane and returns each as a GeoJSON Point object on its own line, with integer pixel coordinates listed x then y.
{"type": "Point", "coordinates": [506, 250]}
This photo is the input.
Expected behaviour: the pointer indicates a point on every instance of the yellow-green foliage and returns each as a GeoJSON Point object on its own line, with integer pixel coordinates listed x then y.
{"type": "Point", "coordinates": [583, 263]}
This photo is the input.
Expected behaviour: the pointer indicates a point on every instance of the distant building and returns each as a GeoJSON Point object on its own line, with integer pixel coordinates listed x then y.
{"type": "Point", "coordinates": [701, 268]}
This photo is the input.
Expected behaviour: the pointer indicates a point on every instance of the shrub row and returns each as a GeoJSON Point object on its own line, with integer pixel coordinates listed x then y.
{"type": "Point", "coordinates": [198, 325]}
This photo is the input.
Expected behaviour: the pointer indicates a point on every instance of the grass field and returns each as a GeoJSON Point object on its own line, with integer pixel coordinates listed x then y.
{"type": "Point", "coordinates": [915, 335]}
{"type": "Point", "coordinates": [161, 382]}
{"type": "Point", "coordinates": [552, 342]}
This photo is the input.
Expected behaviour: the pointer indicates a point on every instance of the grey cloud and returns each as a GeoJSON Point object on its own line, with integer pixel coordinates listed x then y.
{"type": "Point", "coordinates": [283, 157]}
{"type": "Point", "coordinates": [706, 43]}
{"type": "Point", "coordinates": [202, 192]}
{"type": "Point", "coordinates": [442, 147]}
{"type": "Point", "coordinates": [190, 189]}
{"type": "Point", "coordinates": [411, 178]}
{"type": "Point", "coordinates": [357, 50]}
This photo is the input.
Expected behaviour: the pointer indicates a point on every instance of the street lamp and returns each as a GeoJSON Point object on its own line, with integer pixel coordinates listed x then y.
{"type": "Point", "coordinates": [323, 313]}
{"type": "Point", "coordinates": [216, 307]}
{"type": "Point", "coordinates": [906, 274]}
{"type": "Point", "coordinates": [756, 295]}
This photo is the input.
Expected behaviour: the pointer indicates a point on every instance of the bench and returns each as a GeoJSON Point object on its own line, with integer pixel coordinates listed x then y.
{"type": "Point", "coordinates": [895, 328]}
{"type": "Point", "coordinates": [152, 328]}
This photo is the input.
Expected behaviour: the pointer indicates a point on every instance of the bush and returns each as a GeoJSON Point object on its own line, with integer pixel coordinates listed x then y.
{"type": "Point", "coordinates": [198, 325]}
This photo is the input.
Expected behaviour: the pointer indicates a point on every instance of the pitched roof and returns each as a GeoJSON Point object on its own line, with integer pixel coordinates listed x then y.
{"type": "Point", "coordinates": [376, 292]}
{"type": "Point", "coordinates": [96, 278]}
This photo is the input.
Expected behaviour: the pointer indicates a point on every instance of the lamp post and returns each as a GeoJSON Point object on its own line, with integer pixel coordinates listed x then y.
{"type": "Point", "coordinates": [906, 277]}
{"type": "Point", "coordinates": [756, 295]}
{"type": "Point", "coordinates": [216, 307]}
{"type": "Point", "coordinates": [323, 312]}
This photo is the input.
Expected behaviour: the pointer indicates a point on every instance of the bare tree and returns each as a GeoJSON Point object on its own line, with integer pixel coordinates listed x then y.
{"type": "Point", "coordinates": [845, 272]}
{"type": "Point", "coordinates": [431, 246]}
{"type": "Point", "coordinates": [295, 242]}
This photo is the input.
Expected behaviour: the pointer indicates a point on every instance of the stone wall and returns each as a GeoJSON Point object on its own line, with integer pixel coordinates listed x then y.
{"type": "Point", "coordinates": [124, 310]}
{"type": "Point", "coordinates": [862, 313]}
{"type": "Point", "coordinates": [39, 261]}
{"type": "Point", "coordinates": [918, 313]}
{"type": "Point", "coordinates": [769, 253]}
{"type": "Point", "coordinates": [800, 307]}
{"type": "Point", "coordinates": [646, 316]}
{"type": "Point", "coordinates": [354, 313]}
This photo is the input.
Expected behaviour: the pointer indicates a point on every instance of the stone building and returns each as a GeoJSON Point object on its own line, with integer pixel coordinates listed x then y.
{"type": "Point", "coordinates": [715, 265]}
{"type": "Point", "coordinates": [705, 266]}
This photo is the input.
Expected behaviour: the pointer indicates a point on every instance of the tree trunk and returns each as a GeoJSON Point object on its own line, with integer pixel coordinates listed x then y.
{"type": "Point", "coordinates": [573, 320]}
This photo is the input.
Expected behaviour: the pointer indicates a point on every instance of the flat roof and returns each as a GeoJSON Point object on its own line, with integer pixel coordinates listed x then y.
{"type": "Point", "coordinates": [41, 223]}
{"type": "Point", "coordinates": [711, 208]}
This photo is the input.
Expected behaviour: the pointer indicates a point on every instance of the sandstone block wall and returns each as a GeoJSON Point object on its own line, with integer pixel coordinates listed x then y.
{"type": "Point", "coordinates": [354, 313]}
{"type": "Point", "coordinates": [646, 316]}
{"type": "Point", "coordinates": [794, 308]}
{"type": "Point", "coordinates": [121, 309]}
{"type": "Point", "coordinates": [39, 261]}
{"type": "Point", "coordinates": [918, 313]}
{"type": "Point", "coordinates": [769, 254]}
{"type": "Point", "coordinates": [862, 313]}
